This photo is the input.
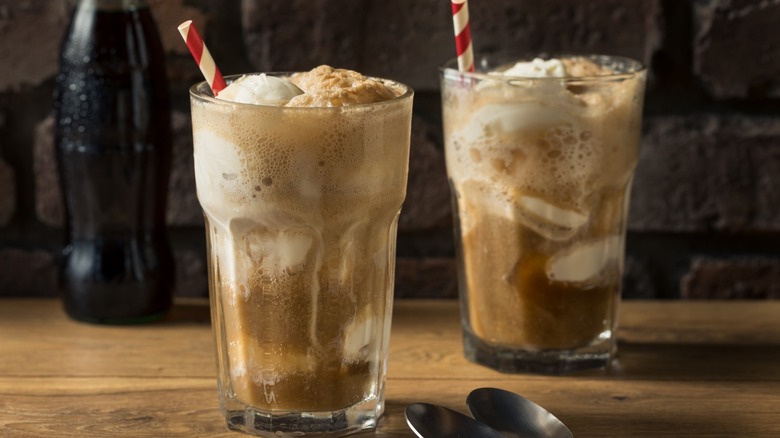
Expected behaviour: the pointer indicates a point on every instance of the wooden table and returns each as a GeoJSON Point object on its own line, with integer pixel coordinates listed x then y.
{"type": "Point", "coordinates": [684, 369]}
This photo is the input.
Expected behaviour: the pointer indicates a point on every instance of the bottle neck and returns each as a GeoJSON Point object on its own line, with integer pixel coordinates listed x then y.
{"type": "Point", "coordinates": [113, 5]}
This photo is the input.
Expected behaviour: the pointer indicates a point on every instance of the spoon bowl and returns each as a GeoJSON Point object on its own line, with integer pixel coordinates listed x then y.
{"type": "Point", "coordinates": [513, 415]}
{"type": "Point", "coordinates": [432, 421]}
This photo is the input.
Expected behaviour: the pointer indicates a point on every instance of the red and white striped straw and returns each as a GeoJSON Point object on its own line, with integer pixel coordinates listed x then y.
{"type": "Point", "coordinates": [460, 20]}
{"type": "Point", "coordinates": [202, 56]}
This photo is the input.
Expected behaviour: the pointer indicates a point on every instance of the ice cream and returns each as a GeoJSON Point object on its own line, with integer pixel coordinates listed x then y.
{"type": "Point", "coordinates": [260, 89]}
{"type": "Point", "coordinates": [538, 68]}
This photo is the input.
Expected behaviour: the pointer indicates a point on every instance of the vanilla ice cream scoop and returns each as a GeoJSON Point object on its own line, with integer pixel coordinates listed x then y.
{"type": "Point", "coordinates": [260, 90]}
{"type": "Point", "coordinates": [538, 68]}
{"type": "Point", "coordinates": [583, 262]}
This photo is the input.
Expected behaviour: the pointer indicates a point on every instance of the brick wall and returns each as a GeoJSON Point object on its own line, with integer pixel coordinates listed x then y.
{"type": "Point", "coordinates": [705, 214]}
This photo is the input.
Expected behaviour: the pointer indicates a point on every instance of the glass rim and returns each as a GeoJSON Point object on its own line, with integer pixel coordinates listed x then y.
{"type": "Point", "coordinates": [449, 70]}
{"type": "Point", "coordinates": [202, 92]}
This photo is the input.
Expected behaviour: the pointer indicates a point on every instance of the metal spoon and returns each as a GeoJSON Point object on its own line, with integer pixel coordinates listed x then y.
{"type": "Point", "coordinates": [432, 421]}
{"type": "Point", "coordinates": [513, 415]}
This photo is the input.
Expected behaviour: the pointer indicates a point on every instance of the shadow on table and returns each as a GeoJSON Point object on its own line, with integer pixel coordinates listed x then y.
{"type": "Point", "coordinates": [658, 361]}
{"type": "Point", "coordinates": [602, 418]}
{"type": "Point", "coordinates": [188, 311]}
{"type": "Point", "coordinates": [393, 422]}
{"type": "Point", "coordinates": [650, 423]}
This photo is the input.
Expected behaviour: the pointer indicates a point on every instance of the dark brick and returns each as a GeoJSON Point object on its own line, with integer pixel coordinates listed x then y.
{"type": "Point", "coordinates": [738, 278]}
{"type": "Point", "coordinates": [48, 197]}
{"type": "Point", "coordinates": [737, 48]}
{"type": "Point", "coordinates": [637, 281]}
{"type": "Point", "coordinates": [607, 26]}
{"type": "Point", "coordinates": [427, 202]}
{"type": "Point", "coordinates": [169, 14]}
{"type": "Point", "coordinates": [27, 273]}
{"type": "Point", "coordinates": [766, 168]}
{"type": "Point", "coordinates": [30, 42]}
{"type": "Point", "coordinates": [408, 40]}
{"type": "Point", "coordinates": [7, 193]}
{"type": "Point", "coordinates": [38, 26]}
{"type": "Point", "coordinates": [182, 70]}
{"type": "Point", "coordinates": [183, 207]}
{"type": "Point", "coordinates": [425, 278]}
{"type": "Point", "coordinates": [708, 172]}
{"type": "Point", "coordinates": [283, 35]}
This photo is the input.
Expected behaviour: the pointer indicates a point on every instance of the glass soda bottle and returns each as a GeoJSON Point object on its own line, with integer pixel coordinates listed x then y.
{"type": "Point", "coordinates": [113, 147]}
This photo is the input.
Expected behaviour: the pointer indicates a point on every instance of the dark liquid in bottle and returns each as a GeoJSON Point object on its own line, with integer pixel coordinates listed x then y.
{"type": "Point", "coordinates": [114, 152]}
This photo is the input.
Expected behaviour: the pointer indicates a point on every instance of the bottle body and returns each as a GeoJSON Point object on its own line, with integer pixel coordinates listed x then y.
{"type": "Point", "coordinates": [113, 145]}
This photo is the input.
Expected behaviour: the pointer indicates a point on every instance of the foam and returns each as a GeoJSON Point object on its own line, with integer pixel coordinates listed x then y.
{"type": "Point", "coordinates": [541, 142]}
{"type": "Point", "coordinates": [325, 86]}
{"type": "Point", "coordinates": [246, 156]}
{"type": "Point", "coordinates": [251, 158]}
{"type": "Point", "coordinates": [540, 150]}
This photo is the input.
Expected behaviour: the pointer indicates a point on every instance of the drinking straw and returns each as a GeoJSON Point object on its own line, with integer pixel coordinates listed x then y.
{"type": "Point", "coordinates": [460, 20]}
{"type": "Point", "coordinates": [202, 56]}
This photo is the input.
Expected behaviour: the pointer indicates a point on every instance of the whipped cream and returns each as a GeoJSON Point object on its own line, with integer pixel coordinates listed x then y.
{"type": "Point", "coordinates": [260, 90]}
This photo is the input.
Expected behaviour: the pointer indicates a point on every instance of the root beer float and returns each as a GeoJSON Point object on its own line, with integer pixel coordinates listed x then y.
{"type": "Point", "coordinates": [301, 179]}
{"type": "Point", "coordinates": [540, 156]}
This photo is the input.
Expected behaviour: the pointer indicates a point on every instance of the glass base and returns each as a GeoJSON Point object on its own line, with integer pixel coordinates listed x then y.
{"type": "Point", "coordinates": [275, 424]}
{"type": "Point", "coordinates": [514, 360]}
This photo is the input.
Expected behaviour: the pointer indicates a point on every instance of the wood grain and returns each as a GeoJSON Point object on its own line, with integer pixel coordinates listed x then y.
{"type": "Point", "coordinates": [684, 369]}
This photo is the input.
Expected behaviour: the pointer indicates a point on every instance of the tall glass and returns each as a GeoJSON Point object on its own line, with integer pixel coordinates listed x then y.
{"type": "Point", "coordinates": [301, 208]}
{"type": "Point", "coordinates": [540, 172]}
